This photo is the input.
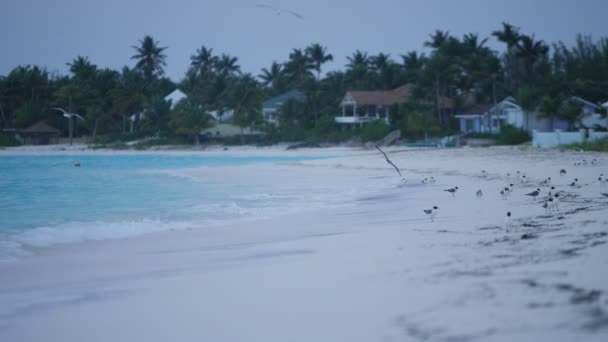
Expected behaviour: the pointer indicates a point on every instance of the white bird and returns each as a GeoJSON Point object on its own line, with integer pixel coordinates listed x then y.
{"type": "Point", "coordinates": [70, 116]}
{"type": "Point", "coordinates": [508, 223]}
{"type": "Point", "coordinates": [452, 190]}
{"type": "Point", "coordinates": [278, 11]}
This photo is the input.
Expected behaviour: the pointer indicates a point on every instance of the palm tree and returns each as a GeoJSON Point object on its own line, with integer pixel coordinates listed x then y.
{"type": "Point", "coordinates": [413, 63]}
{"type": "Point", "coordinates": [509, 35]}
{"type": "Point", "coordinates": [385, 70]}
{"type": "Point", "coordinates": [318, 56]}
{"type": "Point", "coordinates": [150, 57]}
{"type": "Point", "coordinates": [273, 77]}
{"type": "Point", "coordinates": [437, 39]}
{"type": "Point", "coordinates": [298, 67]}
{"type": "Point", "coordinates": [227, 65]}
{"type": "Point", "coordinates": [358, 69]}
{"type": "Point", "coordinates": [550, 106]}
{"type": "Point", "coordinates": [246, 96]}
{"type": "Point", "coordinates": [81, 68]}
{"type": "Point", "coordinates": [472, 44]}
{"type": "Point", "coordinates": [203, 63]}
{"type": "Point", "coordinates": [531, 51]}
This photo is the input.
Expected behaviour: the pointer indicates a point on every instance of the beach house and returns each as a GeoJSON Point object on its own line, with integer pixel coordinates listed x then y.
{"type": "Point", "coordinates": [40, 133]}
{"type": "Point", "coordinates": [481, 119]}
{"type": "Point", "coordinates": [361, 107]}
{"type": "Point", "coordinates": [271, 108]}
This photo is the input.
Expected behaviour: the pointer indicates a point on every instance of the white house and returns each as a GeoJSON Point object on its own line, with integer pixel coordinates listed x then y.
{"type": "Point", "coordinates": [271, 107]}
{"type": "Point", "coordinates": [175, 96]}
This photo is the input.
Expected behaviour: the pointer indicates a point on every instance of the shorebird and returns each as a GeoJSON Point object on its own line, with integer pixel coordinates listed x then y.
{"type": "Point", "coordinates": [503, 193]}
{"type": "Point", "coordinates": [479, 194]}
{"type": "Point", "coordinates": [604, 194]}
{"type": "Point", "coordinates": [432, 180]}
{"type": "Point", "coordinates": [484, 173]}
{"type": "Point", "coordinates": [508, 223]}
{"type": "Point", "coordinates": [390, 162]}
{"type": "Point", "coordinates": [562, 172]}
{"type": "Point", "coordinates": [69, 116]}
{"type": "Point", "coordinates": [279, 11]}
{"type": "Point", "coordinates": [574, 183]}
{"type": "Point", "coordinates": [556, 202]}
{"type": "Point", "coordinates": [452, 191]}
{"type": "Point", "coordinates": [534, 193]}
{"type": "Point", "coordinates": [547, 206]}
{"type": "Point", "coordinates": [432, 213]}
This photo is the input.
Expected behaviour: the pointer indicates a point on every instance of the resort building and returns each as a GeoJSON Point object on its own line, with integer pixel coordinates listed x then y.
{"type": "Point", "coordinates": [271, 108]}
{"type": "Point", "coordinates": [175, 96]}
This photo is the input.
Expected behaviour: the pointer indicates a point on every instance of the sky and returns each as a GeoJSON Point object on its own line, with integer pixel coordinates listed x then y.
{"type": "Point", "coordinates": [51, 33]}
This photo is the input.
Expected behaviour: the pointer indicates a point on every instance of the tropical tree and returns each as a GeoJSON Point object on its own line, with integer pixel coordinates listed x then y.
{"type": "Point", "coordinates": [245, 95]}
{"type": "Point", "coordinates": [550, 107]}
{"type": "Point", "coordinates": [413, 65]}
{"type": "Point", "coordinates": [358, 70]}
{"type": "Point", "coordinates": [202, 64]}
{"type": "Point", "coordinates": [508, 35]}
{"type": "Point", "coordinates": [273, 78]}
{"type": "Point", "coordinates": [531, 51]}
{"type": "Point", "coordinates": [189, 118]}
{"type": "Point", "coordinates": [318, 56]}
{"type": "Point", "coordinates": [298, 67]}
{"type": "Point", "coordinates": [150, 57]}
{"type": "Point", "coordinates": [227, 66]}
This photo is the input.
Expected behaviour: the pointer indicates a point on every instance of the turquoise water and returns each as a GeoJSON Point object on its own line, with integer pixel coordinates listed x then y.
{"type": "Point", "coordinates": [46, 200]}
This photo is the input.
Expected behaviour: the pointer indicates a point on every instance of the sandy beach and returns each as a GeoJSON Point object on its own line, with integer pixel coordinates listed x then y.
{"type": "Point", "coordinates": [361, 262]}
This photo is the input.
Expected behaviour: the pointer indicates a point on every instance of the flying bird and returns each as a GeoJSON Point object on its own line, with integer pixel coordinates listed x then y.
{"type": "Point", "coordinates": [278, 11]}
{"type": "Point", "coordinates": [390, 162]}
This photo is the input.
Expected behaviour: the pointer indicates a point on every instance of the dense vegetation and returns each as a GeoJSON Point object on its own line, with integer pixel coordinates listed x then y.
{"type": "Point", "coordinates": [462, 69]}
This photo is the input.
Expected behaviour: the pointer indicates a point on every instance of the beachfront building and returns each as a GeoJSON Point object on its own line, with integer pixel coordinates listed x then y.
{"type": "Point", "coordinates": [360, 107]}
{"type": "Point", "coordinates": [226, 130]}
{"type": "Point", "coordinates": [509, 112]}
{"type": "Point", "coordinates": [40, 133]}
{"type": "Point", "coordinates": [271, 108]}
{"type": "Point", "coordinates": [175, 96]}
{"type": "Point", "coordinates": [591, 116]}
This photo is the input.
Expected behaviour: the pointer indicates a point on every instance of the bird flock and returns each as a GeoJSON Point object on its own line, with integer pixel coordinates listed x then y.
{"type": "Point", "coordinates": [546, 191]}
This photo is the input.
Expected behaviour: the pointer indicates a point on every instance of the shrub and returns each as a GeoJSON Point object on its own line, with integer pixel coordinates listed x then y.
{"type": "Point", "coordinates": [8, 140]}
{"type": "Point", "coordinates": [510, 135]}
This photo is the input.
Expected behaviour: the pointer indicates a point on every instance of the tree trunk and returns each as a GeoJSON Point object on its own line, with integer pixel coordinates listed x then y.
{"type": "Point", "coordinates": [437, 101]}
{"type": "Point", "coordinates": [71, 127]}
{"type": "Point", "coordinates": [494, 99]}
{"type": "Point", "coordinates": [4, 119]}
{"type": "Point", "coordinates": [242, 137]}
{"type": "Point", "coordinates": [95, 129]}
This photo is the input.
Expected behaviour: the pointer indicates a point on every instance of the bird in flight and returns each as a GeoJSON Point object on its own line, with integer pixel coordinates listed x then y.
{"type": "Point", "coordinates": [69, 115]}
{"type": "Point", "coordinates": [390, 162]}
{"type": "Point", "coordinates": [278, 11]}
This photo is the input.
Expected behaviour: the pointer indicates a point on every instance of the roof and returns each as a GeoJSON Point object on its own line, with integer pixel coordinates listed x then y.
{"type": "Point", "coordinates": [41, 127]}
{"type": "Point", "coordinates": [277, 101]}
{"type": "Point", "coordinates": [380, 97]}
{"type": "Point", "coordinates": [583, 101]}
{"type": "Point", "coordinates": [175, 96]}
{"type": "Point", "coordinates": [476, 109]}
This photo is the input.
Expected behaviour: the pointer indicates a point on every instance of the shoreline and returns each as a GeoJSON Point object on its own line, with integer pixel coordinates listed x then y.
{"type": "Point", "coordinates": [373, 269]}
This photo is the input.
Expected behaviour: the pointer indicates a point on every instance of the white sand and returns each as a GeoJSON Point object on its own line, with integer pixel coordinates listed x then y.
{"type": "Point", "coordinates": [366, 266]}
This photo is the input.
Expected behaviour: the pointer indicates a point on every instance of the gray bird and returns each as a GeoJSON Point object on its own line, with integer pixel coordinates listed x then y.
{"type": "Point", "coordinates": [479, 194]}
{"type": "Point", "coordinates": [452, 191]}
{"type": "Point", "coordinates": [534, 193]}
{"type": "Point", "coordinates": [432, 213]}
